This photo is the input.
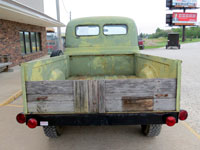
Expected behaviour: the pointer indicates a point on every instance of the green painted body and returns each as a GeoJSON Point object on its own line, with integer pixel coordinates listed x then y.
{"type": "Point", "coordinates": [101, 57]}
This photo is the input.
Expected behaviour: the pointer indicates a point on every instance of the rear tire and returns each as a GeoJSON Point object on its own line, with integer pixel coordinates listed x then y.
{"type": "Point", "coordinates": [56, 53]}
{"type": "Point", "coordinates": [151, 130]}
{"type": "Point", "coordinates": [52, 131]}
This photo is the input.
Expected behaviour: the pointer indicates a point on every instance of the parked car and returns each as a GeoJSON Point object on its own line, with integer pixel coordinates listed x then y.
{"type": "Point", "coordinates": [140, 43]}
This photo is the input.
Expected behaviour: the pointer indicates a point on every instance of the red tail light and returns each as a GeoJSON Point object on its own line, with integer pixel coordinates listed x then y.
{"type": "Point", "coordinates": [170, 121]}
{"type": "Point", "coordinates": [32, 123]}
{"type": "Point", "coordinates": [21, 118]}
{"type": "Point", "coordinates": [183, 115]}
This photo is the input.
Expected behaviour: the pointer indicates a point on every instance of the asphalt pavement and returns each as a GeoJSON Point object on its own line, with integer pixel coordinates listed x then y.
{"type": "Point", "coordinates": [14, 136]}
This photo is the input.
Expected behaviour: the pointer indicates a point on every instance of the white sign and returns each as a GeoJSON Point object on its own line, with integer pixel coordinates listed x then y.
{"type": "Point", "coordinates": [44, 123]}
{"type": "Point", "coordinates": [184, 3]}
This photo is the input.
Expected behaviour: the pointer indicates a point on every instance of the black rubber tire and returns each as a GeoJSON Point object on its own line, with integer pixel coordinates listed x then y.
{"type": "Point", "coordinates": [141, 47]}
{"type": "Point", "coordinates": [151, 130]}
{"type": "Point", "coordinates": [52, 131]}
{"type": "Point", "coordinates": [56, 53]}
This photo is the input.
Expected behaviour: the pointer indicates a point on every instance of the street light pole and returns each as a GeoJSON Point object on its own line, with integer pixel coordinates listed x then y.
{"type": "Point", "coordinates": [58, 28]}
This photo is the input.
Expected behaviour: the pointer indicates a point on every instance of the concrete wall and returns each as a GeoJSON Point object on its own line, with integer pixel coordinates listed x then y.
{"type": "Point", "coordinates": [34, 4]}
{"type": "Point", "coordinates": [10, 41]}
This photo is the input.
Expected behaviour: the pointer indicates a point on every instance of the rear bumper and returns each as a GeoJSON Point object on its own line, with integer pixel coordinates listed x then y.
{"type": "Point", "coordinates": [103, 119]}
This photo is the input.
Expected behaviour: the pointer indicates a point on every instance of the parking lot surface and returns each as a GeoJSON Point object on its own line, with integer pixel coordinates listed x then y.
{"type": "Point", "coordinates": [14, 136]}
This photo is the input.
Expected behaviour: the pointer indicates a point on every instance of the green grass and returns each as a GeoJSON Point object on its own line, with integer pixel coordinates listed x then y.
{"type": "Point", "coordinates": [161, 42]}
{"type": "Point", "coordinates": [189, 41]}
{"type": "Point", "coordinates": [155, 43]}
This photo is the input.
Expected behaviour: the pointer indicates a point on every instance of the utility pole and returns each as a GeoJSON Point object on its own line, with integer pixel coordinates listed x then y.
{"type": "Point", "coordinates": [60, 47]}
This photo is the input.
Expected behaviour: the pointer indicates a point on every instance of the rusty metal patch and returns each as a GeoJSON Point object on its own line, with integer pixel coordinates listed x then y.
{"type": "Point", "coordinates": [130, 103]}
{"type": "Point", "coordinates": [42, 98]}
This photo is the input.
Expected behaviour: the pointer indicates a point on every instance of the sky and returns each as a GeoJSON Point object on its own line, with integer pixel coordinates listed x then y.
{"type": "Point", "coordinates": [147, 14]}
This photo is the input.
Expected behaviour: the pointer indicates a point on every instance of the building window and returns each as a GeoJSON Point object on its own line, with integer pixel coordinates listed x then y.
{"type": "Point", "coordinates": [22, 42]}
{"type": "Point", "coordinates": [30, 42]}
{"type": "Point", "coordinates": [38, 41]}
{"type": "Point", "coordinates": [33, 42]}
{"type": "Point", "coordinates": [27, 42]}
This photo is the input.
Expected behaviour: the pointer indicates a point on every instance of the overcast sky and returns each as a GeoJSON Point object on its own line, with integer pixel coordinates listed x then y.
{"type": "Point", "coordinates": [148, 14]}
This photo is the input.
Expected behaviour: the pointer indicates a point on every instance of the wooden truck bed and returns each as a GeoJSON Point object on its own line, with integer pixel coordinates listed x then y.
{"type": "Point", "coordinates": [101, 84]}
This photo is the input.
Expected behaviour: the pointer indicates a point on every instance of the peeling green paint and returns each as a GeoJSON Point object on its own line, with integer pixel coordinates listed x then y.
{"type": "Point", "coordinates": [101, 57]}
{"type": "Point", "coordinates": [102, 42]}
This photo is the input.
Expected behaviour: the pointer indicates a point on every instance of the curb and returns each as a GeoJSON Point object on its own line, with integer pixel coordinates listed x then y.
{"type": "Point", "coordinates": [11, 98]}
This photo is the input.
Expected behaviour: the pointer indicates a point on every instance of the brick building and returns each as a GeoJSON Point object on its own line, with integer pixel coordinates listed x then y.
{"type": "Point", "coordinates": [23, 30]}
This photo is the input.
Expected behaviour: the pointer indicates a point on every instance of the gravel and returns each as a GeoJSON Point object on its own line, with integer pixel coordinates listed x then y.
{"type": "Point", "coordinates": [190, 84]}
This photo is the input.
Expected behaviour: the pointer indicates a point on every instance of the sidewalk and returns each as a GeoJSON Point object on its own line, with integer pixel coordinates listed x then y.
{"type": "Point", "coordinates": [10, 83]}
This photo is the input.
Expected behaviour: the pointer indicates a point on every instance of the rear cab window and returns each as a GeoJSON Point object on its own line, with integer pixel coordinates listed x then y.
{"type": "Point", "coordinates": [87, 30]}
{"type": "Point", "coordinates": [115, 29]}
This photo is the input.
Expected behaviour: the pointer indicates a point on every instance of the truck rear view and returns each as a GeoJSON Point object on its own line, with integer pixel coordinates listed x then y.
{"type": "Point", "coordinates": [102, 79]}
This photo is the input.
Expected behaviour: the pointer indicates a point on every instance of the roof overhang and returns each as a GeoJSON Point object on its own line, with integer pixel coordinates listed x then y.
{"type": "Point", "coordinates": [13, 11]}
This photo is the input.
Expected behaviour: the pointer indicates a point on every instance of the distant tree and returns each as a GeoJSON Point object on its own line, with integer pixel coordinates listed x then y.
{"type": "Point", "coordinates": [158, 30]}
{"type": "Point", "coordinates": [141, 35]}
{"type": "Point", "coordinates": [191, 32]}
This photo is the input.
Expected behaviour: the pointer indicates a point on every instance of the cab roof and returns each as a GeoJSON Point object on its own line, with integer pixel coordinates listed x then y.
{"type": "Point", "coordinates": [101, 20]}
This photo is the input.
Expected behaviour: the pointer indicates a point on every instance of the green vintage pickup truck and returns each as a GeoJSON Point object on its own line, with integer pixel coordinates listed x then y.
{"type": "Point", "coordinates": [102, 79]}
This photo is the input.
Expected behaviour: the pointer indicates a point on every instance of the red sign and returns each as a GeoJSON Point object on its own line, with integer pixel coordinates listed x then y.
{"type": "Point", "coordinates": [189, 19]}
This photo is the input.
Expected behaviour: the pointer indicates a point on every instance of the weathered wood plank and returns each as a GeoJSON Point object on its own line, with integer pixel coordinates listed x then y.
{"type": "Point", "coordinates": [101, 93]}
{"type": "Point", "coordinates": [81, 96]}
{"type": "Point", "coordinates": [129, 104]}
{"type": "Point", "coordinates": [49, 87]}
{"type": "Point", "coordinates": [164, 104]}
{"type": "Point", "coordinates": [116, 105]}
{"type": "Point", "coordinates": [113, 105]}
{"type": "Point", "coordinates": [85, 97]}
{"type": "Point", "coordinates": [139, 80]}
{"type": "Point", "coordinates": [93, 96]}
{"type": "Point", "coordinates": [47, 98]}
{"type": "Point", "coordinates": [141, 85]}
{"type": "Point", "coordinates": [110, 96]}
{"type": "Point", "coordinates": [159, 95]}
{"type": "Point", "coordinates": [49, 107]}
{"type": "Point", "coordinates": [77, 102]}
